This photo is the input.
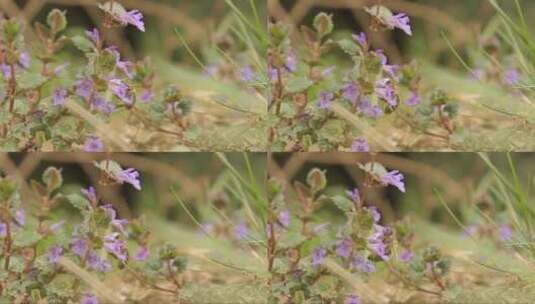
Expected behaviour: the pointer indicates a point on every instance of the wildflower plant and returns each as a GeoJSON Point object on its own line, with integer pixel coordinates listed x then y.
{"type": "Point", "coordinates": [58, 261]}
{"type": "Point", "coordinates": [319, 106]}
{"type": "Point", "coordinates": [52, 103]}
{"type": "Point", "coordinates": [314, 262]}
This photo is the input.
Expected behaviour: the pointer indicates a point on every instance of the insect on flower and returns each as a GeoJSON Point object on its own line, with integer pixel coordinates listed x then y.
{"type": "Point", "coordinates": [117, 15]}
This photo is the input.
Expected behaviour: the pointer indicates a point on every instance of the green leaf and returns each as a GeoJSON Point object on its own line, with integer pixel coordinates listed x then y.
{"type": "Point", "coordinates": [298, 84]}
{"type": "Point", "coordinates": [66, 128]}
{"type": "Point", "coordinates": [349, 47]}
{"type": "Point", "coordinates": [333, 131]}
{"type": "Point", "coordinates": [79, 202]}
{"type": "Point", "coordinates": [343, 203]}
{"type": "Point", "coordinates": [82, 43]}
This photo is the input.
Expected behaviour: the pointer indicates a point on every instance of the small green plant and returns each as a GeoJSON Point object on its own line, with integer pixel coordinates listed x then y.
{"type": "Point", "coordinates": [49, 260]}
{"type": "Point", "coordinates": [317, 262]}
{"type": "Point", "coordinates": [319, 106]}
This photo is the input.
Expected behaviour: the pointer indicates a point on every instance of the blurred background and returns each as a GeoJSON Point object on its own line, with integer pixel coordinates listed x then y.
{"type": "Point", "coordinates": [463, 180]}
{"type": "Point", "coordinates": [197, 20]}
{"type": "Point", "coordinates": [195, 179]}
{"type": "Point", "coordinates": [461, 20]}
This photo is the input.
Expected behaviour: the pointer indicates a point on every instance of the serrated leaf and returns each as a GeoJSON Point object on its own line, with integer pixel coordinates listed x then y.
{"type": "Point", "coordinates": [82, 43]}
{"type": "Point", "coordinates": [333, 131]}
{"type": "Point", "coordinates": [298, 84]}
{"type": "Point", "coordinates": [66, 128]}
{"type": "Point", "coordinates": [343, 203]}
{"type": "Point", "coordinates": [26, 237]}
{"type": "Point", "coordinates": [349, 47]}
{"type": "Point", "coordinates": [79, 202]}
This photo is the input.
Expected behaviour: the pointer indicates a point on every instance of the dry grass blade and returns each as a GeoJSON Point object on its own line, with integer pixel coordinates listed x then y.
{"type": "Point", "coordinates": [98, 287]}
{"type": "Point", "coordinates": [380, 140]}
{"type": "Point", "coordinates": [99, 125]}
{"type": "Point", "coordinates": [363, 289]}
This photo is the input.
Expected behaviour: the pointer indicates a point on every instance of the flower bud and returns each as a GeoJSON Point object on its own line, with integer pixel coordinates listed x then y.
{"type": "Point", "coordinates": [323, 24]}
{"type": "Point", "coordinates": [56, 20]}
{"type": "Point", "coordinates": [52, 178]}
{"type": "Point", "coordinates": [316, 180]}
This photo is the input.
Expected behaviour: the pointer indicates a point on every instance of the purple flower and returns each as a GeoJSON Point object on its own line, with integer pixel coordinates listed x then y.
{"type": "Point", "coordinates": [6, 70]}
{"type": "Point", "coordinates": [207, 228]}
{"type": "Point", "coordinates": [130, 176]}
{"type": "Point", "coordinates": [58, 97]}
{"type": "Point", "coordinates": [273, 74]}
{"type": "Point", "coordinates": [135, 18]}
{"type": "Point", "coordinates": [241, 231]}
{"type": "Point", "coordinates": [94, 35]}
{"type": "Point", "coordinates": [324, 99]}
{"type": "Point", "coordinates": [400, 21]}
{"type": "Point", "coordinates": [511, 77]}
{"type": "Point", "coordinates": [405, 256]}
{"type": "Point", "coordinates": [95, 262]}
{"type": "Point", "coordinates": [320, 228]}
{"type": "Point", "coordinates": [478, 74]}
{"type": "Point", "coordinates": [84, 87]}
{"type": "Point", "coordinates": [120, 225]}
{"type": "Point", "coordinates": [505, 232]}
{"type": "Point", "coordinates": [362, 264]}
{"type": "Point", "coordinates": [24, 60]}
{"type": "Point", "coordinates": [60, 68]}
{"type": "Point", "coordinates": [360, 145]}
{"type": "Point", "coordinates": [20, 217]}
{"type": "Point", "coordinates": [142, 254]}
{"type": "Point", "coordinates": [362, 40]}
{"type": "Point", "coordinates": [390, 69]}
{"type": "Point", "coordinates": [374, 212]}
{"type": "Point", "coordinates": [394, 178]}
{"type": "Point", "coordinates": [79, 246]}
{"type": "Point", "coordinates": [351, 92]}
{"type": "Point", "coordinates": [89, 298]}
{"type": "Point", "coordinates": [354, 195]}
{"type": "Point", "coordinates": [343, 248]}
{"type": "Point", "coordinates": [379, 248]}
{"type": "Point", "coordinates": [93, 144]}
{"type": "Point", "coordinates": [384, 90]}
{"type": "Point", "coordinates": [247, 74]}
{"type": "Point", "coordinates": [115, 246]}
{"type": "Point", "coordinates": [413, 99]}
{"type": "Point", "coordinates": [121, 90]}
{"type": "Point", "coordinates": [146, 96]}
{"type": "Point", "coordinates": [3, 229]}
{"type": "Point", "coordinates": [352, 299]}
{"type": "Point", "coordinates": [328, 71]}
{"type": "Point", "coordinates": [57, 226]}
{"type": "Point", "coordinates": [98, 103]}
{"type": "Point", "coordinates": [284, 219]}
{"type": "Point", "coordinates": [54, 253]}
{"type": "Point", "coordinates": [124, 66]}
{"type": "Point", "coordinates": [90, 194]}
{"type": "Point", "coordinates": [470, 230]}
{"type": "Point", "coordinates": [212, 70]}
{"type": "Point", "coordinates": [317, 256]}
{"type": "Point", "coordinates": [291, 62]}
{"type": "Point", "coordinates": [110, 211]}
{"type": "Point", "coordinates": [370, 110]}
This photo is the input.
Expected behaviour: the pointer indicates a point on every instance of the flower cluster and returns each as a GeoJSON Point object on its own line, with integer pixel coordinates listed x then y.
{"type": "Point", "coordinates": [37, 250]}
{"type": "Point", "coordinates": [304, 251]}
{"type": "Point", "coordinates": [42, 93]}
